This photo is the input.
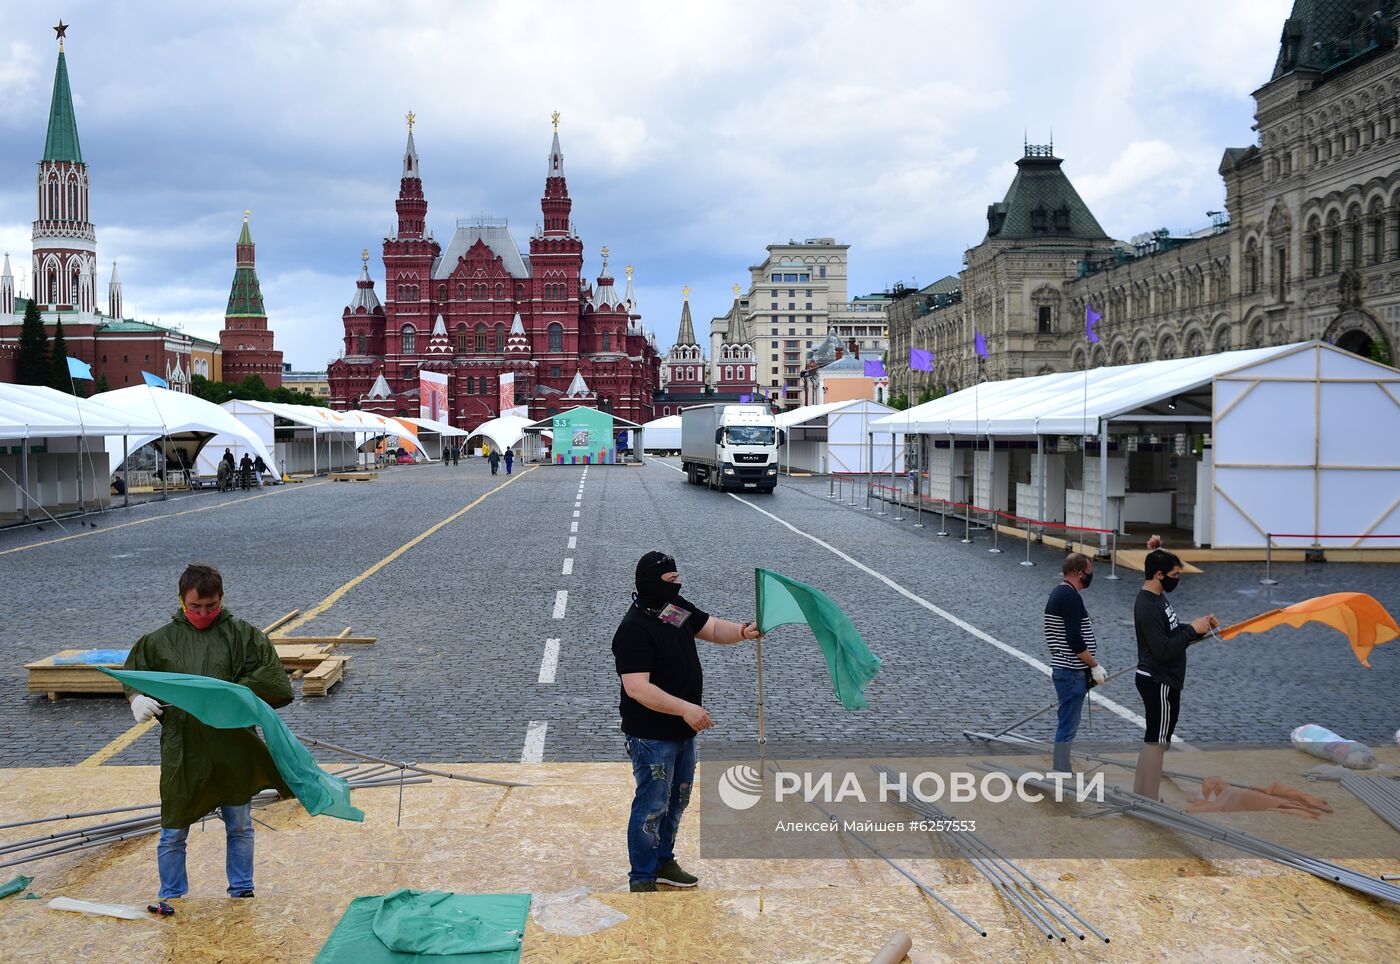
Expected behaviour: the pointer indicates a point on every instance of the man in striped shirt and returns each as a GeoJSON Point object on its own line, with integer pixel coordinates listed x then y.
{"type": "Point", "coordinates": [1074, 664]}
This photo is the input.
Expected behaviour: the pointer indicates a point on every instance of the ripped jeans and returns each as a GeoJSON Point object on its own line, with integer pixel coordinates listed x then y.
{"type": "Point", "coordinates": [664, 771]}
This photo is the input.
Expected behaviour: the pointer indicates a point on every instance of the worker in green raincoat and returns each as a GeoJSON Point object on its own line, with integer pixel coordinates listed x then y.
{"type": "Point", "coordinates": [201, 767]}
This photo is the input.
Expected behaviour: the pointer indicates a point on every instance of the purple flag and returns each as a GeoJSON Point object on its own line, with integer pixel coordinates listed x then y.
{"type": "Point", "coordinates": [745, 398]}
{"type": "Point", "coordinates": [874, 368]}
{"type": "Point", "coordinates": [980, 343]}
{"type": "Point", "coordinates": [1091, 318]}
{"type": "Point", "coordinates": [920, 360]}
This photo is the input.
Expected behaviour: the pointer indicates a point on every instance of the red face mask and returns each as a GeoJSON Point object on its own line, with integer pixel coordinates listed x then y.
{"type": "Point", "coordinates": [201, 620]}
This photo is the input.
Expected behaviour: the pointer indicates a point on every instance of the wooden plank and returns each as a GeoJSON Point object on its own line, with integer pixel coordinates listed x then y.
{"type": "Point", "coordinates": [318, 682]}
{"type": "Point", "coordinates": [339, 640]}
{"type": "Point", "coordinates": [354, 476]}
{"type": "Point", "coordinates": [46, 677]}
{"type": "Point", "coordinates": [278, 623]}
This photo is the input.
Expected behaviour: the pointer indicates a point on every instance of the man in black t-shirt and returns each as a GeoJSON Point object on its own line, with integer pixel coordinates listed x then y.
{"type": "Point", "coordinates": [662, 683]}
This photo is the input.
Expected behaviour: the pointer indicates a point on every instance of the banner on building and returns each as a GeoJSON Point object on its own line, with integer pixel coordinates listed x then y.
{"type": "Point", "coordinates": [432, 396]}
{"type": "Point", "coordinates": [506, 399]}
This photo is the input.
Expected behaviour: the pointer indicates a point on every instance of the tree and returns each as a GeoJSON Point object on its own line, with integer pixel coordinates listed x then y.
{"type": "Point", "coordinates": [32, 366]}
{"type": "Point", "coordinates": [900, 402]}
{"type": "Point", "coordinates": [101, 385]}
{"type": "Point", "coordinates": [59, 379]}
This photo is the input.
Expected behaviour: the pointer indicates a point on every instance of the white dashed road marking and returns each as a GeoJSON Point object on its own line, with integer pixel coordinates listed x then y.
{"type": "Point", "coordinates": [534, 742]}
{"type": "Point", "coordinates": [550, 662]}
{"type": "Point", "coordinates": [573, 526]}
{"type": "Point", "coordinates": [561, 600]}
{"type": "Point", "coordinates": [573, 542]}
{"type": "Point", "coordinates": [568, 566]}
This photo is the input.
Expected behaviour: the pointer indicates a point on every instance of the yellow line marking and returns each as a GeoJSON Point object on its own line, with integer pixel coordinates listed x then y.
{"type": "Point", "coordinates": [154, 518]}
{"type": "Point", "coordinates": [117, 745]}
{"type": "Point", "coordinates": [133, 734]}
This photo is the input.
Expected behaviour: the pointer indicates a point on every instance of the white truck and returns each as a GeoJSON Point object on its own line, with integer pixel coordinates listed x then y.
{"type": "Point", "coordinates": [730, 446]}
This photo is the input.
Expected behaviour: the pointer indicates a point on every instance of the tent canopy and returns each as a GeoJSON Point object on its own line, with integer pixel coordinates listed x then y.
{"type": "Point", "coordinates": [176, 414]}
{"type": "Point", "coordinates": [1172, 391]}
{"type": "Point", "coordinates": [36, 411]}
{"type": "Point", "coordinates": [433, 425]}
{"type": "Point", "coordinates": [812, 413]}
{"type": "Point", "coordinates": [504, 432]}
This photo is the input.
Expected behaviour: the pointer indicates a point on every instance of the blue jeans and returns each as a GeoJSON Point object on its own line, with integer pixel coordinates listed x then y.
{"type": "Point", "coordinates": [664, 771]}
{"type": "Point", "coordinates": [1071, 687]}
{"type": "Point", "coordinates": [238, 861]}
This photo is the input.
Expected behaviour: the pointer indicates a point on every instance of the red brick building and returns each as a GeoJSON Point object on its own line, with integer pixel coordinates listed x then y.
{"type": "Point", "coordinates": [483, 308]}
{"type": "Point", "coordinates": [246, 340]}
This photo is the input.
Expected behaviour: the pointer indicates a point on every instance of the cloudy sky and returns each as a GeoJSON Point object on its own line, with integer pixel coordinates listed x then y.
{"type": "Point", "coordinates": [694, 134]}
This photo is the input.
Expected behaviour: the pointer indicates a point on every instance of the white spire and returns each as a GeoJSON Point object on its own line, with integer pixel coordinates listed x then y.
{"type": "Point", "coordinates": [439, 328]}
{"type": "Point", "coordinates": [410, 157]}
{"type": "Point", "coordinates": [7, 289]}
{"type": "Point", "coordinates": [380, 388]}
{"type": "Point", "coordinates": [556, 158]}
{"type": "Point", "coordinates": [114, 294]}
{"type": "Point", "coordinates": [516, 327]}
{"type": "Point", "coordinates": [578, 386]}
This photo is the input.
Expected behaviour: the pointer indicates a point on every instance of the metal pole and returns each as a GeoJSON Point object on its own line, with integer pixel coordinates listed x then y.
{"type": "Point", "coordinates": [1103, 484]}
{"type": "Point", "coordinates": [1047, 709]}
{"type": "Point", "coordinates": [918, 477]}
{"type": "Point", "coordinates": [869, 468]}
{"type": "Point", "coordinates": [1113, 558]}
{"type": "Point", "coordinates": [967, 507]}
{"type": "Point", "coordinates": [894, 487]}
{"type": "Point", "coordinates": [762, 738]}
{"type": "Point", "coordinates": [24, 475]}
{"type": "Point", "coordinates": [1040, 474]}
{"type": "Point", "coordinates": [164, 470]}
{"type": "Point", "coordinates": [1268, 579]}
{"type": "Point", "coordinates": [126, 471]}
{"type": "Point", "coordinates": [311, 741]}
{"type": "Point", "coordinates": [943, 500]}
{"type": "Point", "coordinates": [992, 492]}
{"type": "Point", "coordinates": [830, 483]}
{"type": "Point", "coordinates": [1027, 561]}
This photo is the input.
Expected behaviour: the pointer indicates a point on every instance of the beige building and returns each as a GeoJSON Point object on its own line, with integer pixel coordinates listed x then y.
{"type": "Point", "coordinates": [1308, 245]}
{"type": "Point", "coordinates": [308, 383]}
{"type": "Point", "coordinates": [790, 297]}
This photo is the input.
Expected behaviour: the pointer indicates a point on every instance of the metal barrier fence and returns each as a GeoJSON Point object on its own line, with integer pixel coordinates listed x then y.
{"type": "Point", "coordinates": [1269, 538]}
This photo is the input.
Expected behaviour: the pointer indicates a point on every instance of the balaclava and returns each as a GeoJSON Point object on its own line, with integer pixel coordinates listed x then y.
{"type": "Point", "coordinates": [652, 590]}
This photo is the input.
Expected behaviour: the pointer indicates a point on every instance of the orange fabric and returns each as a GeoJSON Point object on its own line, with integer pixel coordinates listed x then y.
{"type": "Point", "coordinates": [1221, 797]}
{"type": "Point", "coordinates": [1357, 616]}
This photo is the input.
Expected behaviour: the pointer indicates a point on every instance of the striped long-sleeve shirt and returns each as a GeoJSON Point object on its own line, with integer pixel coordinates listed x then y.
{"type": "Point", "coordinates": [1068, 628]}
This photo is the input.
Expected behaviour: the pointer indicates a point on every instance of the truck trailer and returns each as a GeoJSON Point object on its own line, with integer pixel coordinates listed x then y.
{"type": "Point", "coordinates": [730, 446]}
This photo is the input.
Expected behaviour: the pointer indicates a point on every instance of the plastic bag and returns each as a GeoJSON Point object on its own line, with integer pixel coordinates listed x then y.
{"type": "Point", "coordinates": [97, 910]}
{"type": "Point", "coordinates": [94, 657]}
{"type": "Point", "coordinates": [1322, 742]}
{"type": "Point", "coordinates": [573, 913]}
{"type": "Point", "coordinates": [14, 886]}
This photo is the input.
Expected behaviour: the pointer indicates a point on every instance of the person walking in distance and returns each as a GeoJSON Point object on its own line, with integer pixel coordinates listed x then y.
{"type": "Point", "coordinates": [1074, 665]}
{"type": "Point", "coordinates": [510, 459]}
{"type": "Point", "coordinates": [1162, 641]}
{"type": "Point", "coordinates": [495, 460]}
{"type": "Point", "coordinates": [662, 682]}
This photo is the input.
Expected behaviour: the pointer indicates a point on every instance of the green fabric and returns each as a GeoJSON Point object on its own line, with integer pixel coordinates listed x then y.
{"type": "Point", "coordinates": [782, 601]}
{"type": "Point", "coordinates": [61, 143]}
{"type": "Point", "coordinates": [219, 707]}
{"type": "Point", "coordinates": [14, 886]}
{"type": "Point", "coordinates": [409, 924]}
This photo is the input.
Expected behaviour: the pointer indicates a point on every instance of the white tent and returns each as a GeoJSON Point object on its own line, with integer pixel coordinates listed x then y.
{"type": "Point", "coordinates": [663, 434]}
{"type": "Point", "coordinates": [312, 438]}
{"type": "Point", "coordinates": [430, 429]}
{"type": "Point", "coordinates": [1305, 444]}
{"type": "Point", "coordinates": [36, 411]}
{"type": "Point", "coordinates": [835, 437]}
{"type": "Point", "coordinates": [504, 432]}
{"type": "Point", "coordinates": [190, 421]}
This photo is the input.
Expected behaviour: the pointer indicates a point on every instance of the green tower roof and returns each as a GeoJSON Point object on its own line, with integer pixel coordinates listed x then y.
{"type": "Point", "coordinates": [245, 298]}
{"type": "Point", "coordinates": [61, 144]}
{"type": "Point", "coordinates": [245, 236]}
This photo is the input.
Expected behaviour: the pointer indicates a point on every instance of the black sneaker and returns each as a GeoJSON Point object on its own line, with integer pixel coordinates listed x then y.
{"type": "Point", "coordinates": [642, 887]}
{"type": "Point", "coordinates": [243, 893]}
{"type": "Point", "coordinates": [671, 873]}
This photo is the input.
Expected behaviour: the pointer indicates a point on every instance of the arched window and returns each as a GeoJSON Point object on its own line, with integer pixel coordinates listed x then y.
{"type": "Point", "coordinates": [519, 292]}
{"type": "Point", "coordinates": [442, 292]}
{"type": "Point", "coordinates": [607, 341]}
{"type": "Point", "coordinates": [461, 291]}
{"type": "Point", "coordinates": [728, 373]}
{"type": "Point", "coordinates": [53, 200]}
{"type": "Point", "coordinates": [556, 337]}
{"type": "Point", "coordinates": [500, 291]}
{"type": "Point", "coordinates": [359, 344]}
{"type": "Point", "coordinates": [481, 338]}
{"type": "Point", "coordinates": [399, 293]}
{"type": "Point", "coordinates": [1356, 242]}
{"type": "Point", "coordinates": [410, 338]}
{"type": "Point", "coordinates": [72, 201]}
{"type": "Point", "coordinates": [500, 341]}
{"type": "Point", "coordinates": [479, 292]}
{"type": "Point", "coordinates": [462, 341]}
{"type": "Point", "coordinates": [471, 385]}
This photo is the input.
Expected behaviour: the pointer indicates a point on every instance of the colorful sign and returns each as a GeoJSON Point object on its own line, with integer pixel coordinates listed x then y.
{"type": "Point", "coordinates": [506, 399]}
{"type": "Point", "coordinates": [432, 396]}
{"type": "Point", "coordinates": [583, 436]}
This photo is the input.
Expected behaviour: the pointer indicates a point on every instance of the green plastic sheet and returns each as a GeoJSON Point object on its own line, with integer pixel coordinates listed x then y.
{"type": "Point", "coordinates": [410, 925]}
{"type": "Point", "coordinates": [782, 601]}
{"type": "Point", "coordinates": [14, 886]}
{"type": "Point", "coordinates": [231, 706]}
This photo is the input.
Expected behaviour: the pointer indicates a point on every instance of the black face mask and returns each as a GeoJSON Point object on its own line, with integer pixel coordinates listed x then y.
{"type": "Point", "coordinates": [1087, 578]}
{"type": "Point", "coordinates": [1169, 583]}
{"type": "Point", "coordinates": [652, 590]}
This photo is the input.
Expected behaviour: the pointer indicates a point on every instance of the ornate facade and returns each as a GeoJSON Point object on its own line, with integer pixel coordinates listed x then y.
{"type": "Point", "coordinates": [483, 308]}
{"type": "Point", "coordinates": [247, 342]}
{"type": "Point", "coordinates": [1308, 245]}
{"type": "Point", "coordinates": [730, 375]}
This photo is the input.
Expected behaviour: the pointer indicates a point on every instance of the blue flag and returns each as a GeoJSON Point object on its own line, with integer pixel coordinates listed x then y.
{"type": "Point", "coordinates": [743, 399]}
{"type": "Point", "coordinates": [1091, 318]}
{"type": "Point", "coordinates": [980, 343]}
{"type": "Point", "coordinates": [920, 360]}
{"type": "Point", "coordinates": [874, 368]}
{"type": "Point", "coordinates": [155, 381]}
{"type": "Point", "coordinates": [77, 368]}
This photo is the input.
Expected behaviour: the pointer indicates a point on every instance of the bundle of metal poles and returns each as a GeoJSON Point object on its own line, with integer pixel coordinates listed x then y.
{"type": "Point", "coordinates": [1016, 887]}
{"type": "Point", "coordinates": [1381, 794]}
{"type": "Point", "coordinates": [144, 819]}
{"type": "Point", "coordinates": [1135, 805]}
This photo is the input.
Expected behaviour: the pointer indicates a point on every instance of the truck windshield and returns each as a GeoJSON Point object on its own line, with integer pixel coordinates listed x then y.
{"type": "Point", "coordinates": [750, 434]}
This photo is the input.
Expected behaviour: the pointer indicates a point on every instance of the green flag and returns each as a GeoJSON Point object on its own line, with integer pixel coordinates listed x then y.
{"type": "Point", "coordinates": [782, 601]}
{"type": "Point", "coordinates": [231, 706]}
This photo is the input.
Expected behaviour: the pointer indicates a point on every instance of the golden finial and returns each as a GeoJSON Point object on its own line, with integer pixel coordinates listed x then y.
{"type": "Point", "coordinates": [685, 292]}
{"type": "Point", "coordinates": [409, 117]}
{"type": "Point", "coordinates": [555, 117]}
{"type": "Point", "coordinates": [246, 213]}
{"type": "Point", "coordinates": [628, 269]}
{"type": "Point", "coordinates": [736, 291]}
{"type": "Point", "coordinates": [605, 259]}
{"type": "Point", "coordinates": [364, 256]}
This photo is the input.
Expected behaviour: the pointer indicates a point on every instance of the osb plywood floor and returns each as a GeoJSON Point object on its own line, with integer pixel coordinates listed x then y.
{"type": "Point", "coordinates": [567, 830]}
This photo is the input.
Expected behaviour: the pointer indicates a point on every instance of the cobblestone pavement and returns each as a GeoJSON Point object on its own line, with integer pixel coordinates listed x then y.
{"type": "Point", "coordinates": [464, 615]}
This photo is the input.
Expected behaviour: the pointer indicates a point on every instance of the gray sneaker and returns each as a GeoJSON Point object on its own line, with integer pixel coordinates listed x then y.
{"type": "Point", "coordinates": [642, 887]}
{"type": "Point", "coordinates": [671, 873]}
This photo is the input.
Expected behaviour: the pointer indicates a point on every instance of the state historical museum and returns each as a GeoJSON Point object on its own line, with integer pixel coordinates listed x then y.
{"type": "Point", "coordinates": [483, 308]}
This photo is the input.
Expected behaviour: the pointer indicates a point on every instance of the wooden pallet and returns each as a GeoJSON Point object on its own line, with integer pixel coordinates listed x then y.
{"type": "Point", "coordinates": [46, 677]}
{"type": "Point", "coordinates": [318, 682]}
{"type": "Point", "coordinates": [353, 476]}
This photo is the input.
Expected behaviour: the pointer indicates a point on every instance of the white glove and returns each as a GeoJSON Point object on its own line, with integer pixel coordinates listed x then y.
{"type": "Point", "coordinates": [143, 708]}
{"type": "Point", "coordinates": [1099, 673]}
